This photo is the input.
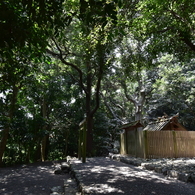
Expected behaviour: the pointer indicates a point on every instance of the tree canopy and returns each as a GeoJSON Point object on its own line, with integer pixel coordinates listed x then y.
{"type": "Point", "coordinates": [107, 61]}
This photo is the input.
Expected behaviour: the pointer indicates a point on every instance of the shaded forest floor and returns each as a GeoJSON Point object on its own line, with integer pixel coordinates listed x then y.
{"type": "Point", "coordinates": [30, 179]}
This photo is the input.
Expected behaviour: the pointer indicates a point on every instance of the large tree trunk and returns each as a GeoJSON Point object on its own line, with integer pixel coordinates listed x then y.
{"type": "Point", "coordinates": [6, 129]}
{"type": "Point", "coordinates": [138, 111]}
{"type": "Point", "coordinates": [138, 100]}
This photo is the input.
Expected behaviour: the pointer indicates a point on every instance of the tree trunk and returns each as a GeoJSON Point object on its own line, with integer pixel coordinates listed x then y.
{"type": "Point", "coordinates": [138, 100]}
{"type": "Point", "coordinates": [89, 125]}
{"type": "Point", "coordinates": [90, 149]}
{"type": "Point", "coordinates": [43, 148]}
{"type": "Point", "coordinates": [88, 87]}
{"type": "Point", "coordinates": [66, 145]}
{"type": "Point", "coordinates": [37, 154]}
{"type": "Point", "coordinates": [3, 143]}
{"type": "Point", "coordinates": [138, 112]}
{"type": "Point", "coordinates": [6, 129]}
{"type": "Point", "coordinates": [44, 140]}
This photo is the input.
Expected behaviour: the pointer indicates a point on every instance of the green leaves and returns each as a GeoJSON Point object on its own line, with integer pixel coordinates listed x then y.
{"type": "Point", "coordinates": [27, 23]}
{"type": "Point", "coordinates": [94, 13]}
{"type": "Point", "coordinates": [169, 24]}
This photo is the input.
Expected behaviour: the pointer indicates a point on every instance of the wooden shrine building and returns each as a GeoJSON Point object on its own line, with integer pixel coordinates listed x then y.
{"type": "Point", "coordinates": [165, 123]}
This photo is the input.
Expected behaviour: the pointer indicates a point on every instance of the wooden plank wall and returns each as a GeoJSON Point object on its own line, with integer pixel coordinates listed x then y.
{"type": "Point", "coordinates": [132, 142]}
{"type": "Point", "coordinates": [123, 144]}
{"type": "Point", "coordinates": [160, 144]}
{"type": "Point", "coordinates": [186, 143]}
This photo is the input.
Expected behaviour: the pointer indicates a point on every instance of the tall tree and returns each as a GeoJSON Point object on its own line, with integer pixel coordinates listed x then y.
{"type": "Point", "coordinates": [12, 80]}
{"type": "Point", "coordinates": [25, 26]}
{"type": "Point", "coordinates": [132, 73]}
{"type": "Point", "coordinates": [86, 51]}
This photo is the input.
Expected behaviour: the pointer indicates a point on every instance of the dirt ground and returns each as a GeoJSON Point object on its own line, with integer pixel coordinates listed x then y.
{"type": "Point", "coordinates": [31, 179]}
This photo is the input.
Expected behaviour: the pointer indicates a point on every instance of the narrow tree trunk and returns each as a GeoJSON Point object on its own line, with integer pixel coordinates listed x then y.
{"type": "Point", "coordinates": [44, 147]}
{"type": "Point", "coordinates": [3, 143]}
{"type": "Point", "coordinates": [66, 145]}
{"type": "Point", "coordinates": [37, 154]}
{"type": "Point", "coordinates": [89, 124]}
{"type": "Point", "coordinates": [44, 140]}
{"type": "Point", "coordinates": [5, 132]}
{"type": "Point", "coordinates": [90, 149]}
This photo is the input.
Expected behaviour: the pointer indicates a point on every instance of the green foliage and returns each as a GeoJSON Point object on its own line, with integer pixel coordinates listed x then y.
{"type": "Point", "coordinates": [168, 24]}
{"type": "Point", "coordinates": [106, 132]}
{"type": "Point", "coordinates": [174, 90]}
{"type": "Point", "coordinates": [94, 13]}
{"type": "Point", "coordinates": [27, 22]}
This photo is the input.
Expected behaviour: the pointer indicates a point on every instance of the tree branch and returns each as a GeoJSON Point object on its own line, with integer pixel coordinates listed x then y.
{"type": "Point", "coordinates": [109, 108]}
{"type": "Point", "coordinates": [60, 57]}
{"type": "Point", "coordinates": [129, 97]}
{"type": "Point", "coordinates": [187, 41]}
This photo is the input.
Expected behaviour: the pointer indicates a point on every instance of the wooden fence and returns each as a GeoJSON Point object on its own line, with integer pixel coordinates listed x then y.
{"type": "Point", "coordinates": [158, 144]}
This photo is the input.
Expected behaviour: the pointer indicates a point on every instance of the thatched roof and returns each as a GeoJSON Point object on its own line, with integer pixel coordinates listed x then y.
{"type": "Point", "coordinates": [156, 126]}
{"type": "Point", "coordinates": [132, 125]}
{"type": "Point", "coordinates": [165, 123]}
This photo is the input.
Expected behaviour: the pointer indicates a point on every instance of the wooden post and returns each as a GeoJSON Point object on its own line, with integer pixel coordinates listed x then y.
{"type": "Point", "coordinates": [80, 143]}
{"type": "Point", "coordinates": [136, 143]}
{"type": "Point", "coordinates": [122, 143]}
{"type": "Point", "coordinates": [145, 144]}
{"type": "Point", "coordinates": [174, 143]}
{"type": "Point", "coordinates": [126, 141]}
{"type": "Point", "coordinates": [82, 140]}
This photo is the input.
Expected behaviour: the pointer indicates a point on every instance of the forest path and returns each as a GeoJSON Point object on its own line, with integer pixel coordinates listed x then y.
{"type": "Point", "coordinates": [107, 176]}
{"type": "Point", "coordinates": [31, 179]}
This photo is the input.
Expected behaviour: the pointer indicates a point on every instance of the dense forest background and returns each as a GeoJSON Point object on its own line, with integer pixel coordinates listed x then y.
{"type": "Point", "coordinates": [110, 62]}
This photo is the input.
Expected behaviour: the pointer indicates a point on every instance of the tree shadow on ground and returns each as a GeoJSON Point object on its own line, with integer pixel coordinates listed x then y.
{"type": "Point", "coordinates": [30, 179]}
{"type": "Point", "coordinates": [105, 176]}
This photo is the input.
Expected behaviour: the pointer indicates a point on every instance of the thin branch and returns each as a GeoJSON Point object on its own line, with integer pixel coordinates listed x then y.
{"type": "Point", "coordinates": [187, 41]}
{"type": "Point", "coordinates": [129, 97]}
{"type": "Point", "coordinates": [60, 56]}
{"type": "Point", "coordinates": [108, 107]}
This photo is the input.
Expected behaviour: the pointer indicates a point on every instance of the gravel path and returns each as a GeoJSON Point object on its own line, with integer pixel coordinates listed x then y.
{"type": "Point", "coordinates": [106, 176]}
{"type": "Point", "coordinates": [31, 179]}
{"type": "Point", "coordinates": [96, 176]}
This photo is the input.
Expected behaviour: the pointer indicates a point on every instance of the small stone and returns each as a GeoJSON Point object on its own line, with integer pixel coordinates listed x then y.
{"type": "Point", "coordinates": [158, 169]}
{"type": "Point", "coordinates": [164, 171]}
{"type": "Point", "coordinates": [149, 166]}
{"type": "Point", "coordinates": [193, 177]}
{"type": "Point", "coordinates": [137, 163]}
{"type": "Point", "coordinates": [58, 171]}
{"type": "Point", "coordinates": [65, 166]}
{"type": "Point", "coordinates": [184, 177]}
{"type": "Point", "coordinates": [57, 189]}
{"type": "Point", "coordinates": [173, 173]}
